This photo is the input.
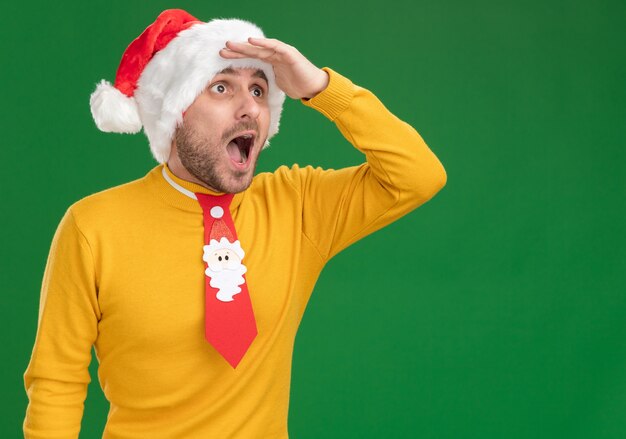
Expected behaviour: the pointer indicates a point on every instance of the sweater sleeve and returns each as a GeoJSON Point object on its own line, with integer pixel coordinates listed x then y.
{"type": "Point", "coordinates": [57, 376]}
{"type": "Point", "coordinates": [400, 172]}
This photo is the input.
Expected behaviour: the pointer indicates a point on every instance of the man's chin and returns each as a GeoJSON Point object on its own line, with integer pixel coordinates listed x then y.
{"type": "Point", "coordinates": [240, 187]}
{"type": "Point", "coordinates": [235, 184]}
{"type": "Point", "coordinates": [240, 180]}
{"type": "Point", "coordinates": [226, 180]}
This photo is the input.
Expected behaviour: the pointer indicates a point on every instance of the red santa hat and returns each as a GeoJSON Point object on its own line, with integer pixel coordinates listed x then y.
{"type": "Point", "coordinates": [220, 235]}
{"type": "Point", "coordinates": [219, 229]}
{"type": "Point", "coordinates": [165, 69]}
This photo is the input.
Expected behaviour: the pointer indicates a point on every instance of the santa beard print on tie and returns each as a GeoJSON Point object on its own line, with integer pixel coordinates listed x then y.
{"type": "Point", "coordinates": [225, 267]}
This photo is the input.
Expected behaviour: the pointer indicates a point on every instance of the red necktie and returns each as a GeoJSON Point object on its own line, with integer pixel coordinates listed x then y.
{"type": "Point", "coordinates": [229, 318]}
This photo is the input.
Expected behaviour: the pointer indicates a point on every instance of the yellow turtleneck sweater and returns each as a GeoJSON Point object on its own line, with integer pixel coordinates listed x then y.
{"type": "Point", "coordinates": [125, 273]}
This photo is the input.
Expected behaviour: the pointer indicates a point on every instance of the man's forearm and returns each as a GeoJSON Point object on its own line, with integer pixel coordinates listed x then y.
{"type": "Point", "coordinates": [400, 173]}
{"type": "Point", "coordinates": [57, 376]}
{"type": "Point", "coordinates": [397, 155]}
{"type": "Point", "coordinates": [55, 408]}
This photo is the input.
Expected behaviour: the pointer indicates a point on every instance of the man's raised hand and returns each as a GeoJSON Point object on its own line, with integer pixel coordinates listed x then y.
{"type": "Point", "coordinates": [295, 74]}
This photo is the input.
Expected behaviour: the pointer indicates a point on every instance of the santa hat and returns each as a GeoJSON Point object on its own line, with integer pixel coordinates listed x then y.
{"type": "Point", "coordinates": [220, 236]}
{"type": "Point", "coordinates": [165, 69]}
{"type": "Point", "coordinates": [219, 229]}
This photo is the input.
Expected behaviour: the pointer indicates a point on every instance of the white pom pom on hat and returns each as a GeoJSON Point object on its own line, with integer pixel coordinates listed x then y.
{"type": "Point", "coordinates": [165, 69]}
{"type": "Point", "coordinates": [113, 111]}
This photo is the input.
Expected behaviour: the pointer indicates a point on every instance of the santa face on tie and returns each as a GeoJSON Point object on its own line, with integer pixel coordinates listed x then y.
{"type": "Point", "coordinates": [224, 267]}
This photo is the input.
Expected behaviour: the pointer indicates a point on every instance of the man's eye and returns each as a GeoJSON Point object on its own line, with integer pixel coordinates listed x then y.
{"type": "Point", "coordinates": [257, 91]}
{"type": "Point", "coordinates": [219, 88]}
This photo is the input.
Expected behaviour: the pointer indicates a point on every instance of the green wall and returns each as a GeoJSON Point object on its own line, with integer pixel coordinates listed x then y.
{"type": "Point", "coordinates": [496, 310]}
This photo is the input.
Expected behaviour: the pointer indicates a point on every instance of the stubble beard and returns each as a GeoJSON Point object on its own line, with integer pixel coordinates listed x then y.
{"type": "Point", "coordinates": [201, 159]}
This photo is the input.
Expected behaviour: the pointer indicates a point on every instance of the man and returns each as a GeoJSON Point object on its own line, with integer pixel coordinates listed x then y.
{"type": "Point", "coordinates": [192, 281]}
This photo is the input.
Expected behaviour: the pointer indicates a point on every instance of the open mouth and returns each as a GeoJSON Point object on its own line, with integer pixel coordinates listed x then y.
{"type": "Point", "coordinates": [239, 148]}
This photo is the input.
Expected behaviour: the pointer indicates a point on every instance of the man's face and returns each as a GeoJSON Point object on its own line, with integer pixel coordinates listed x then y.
{"type": "Point", "coordinates": [224, 130]}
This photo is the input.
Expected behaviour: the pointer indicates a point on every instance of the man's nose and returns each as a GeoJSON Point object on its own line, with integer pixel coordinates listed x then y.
{"type": "Point", "coordinates": [248, 107]}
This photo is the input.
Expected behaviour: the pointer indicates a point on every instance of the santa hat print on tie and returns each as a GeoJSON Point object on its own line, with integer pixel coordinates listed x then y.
{"type": "Point", "coordinates": [230, 326]}
{"type": "Point", "coordinates": [165, 69]}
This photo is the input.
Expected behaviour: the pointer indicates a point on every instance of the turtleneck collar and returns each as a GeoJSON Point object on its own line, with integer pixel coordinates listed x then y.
{"type": "Point", "coordinates": [178, 192]}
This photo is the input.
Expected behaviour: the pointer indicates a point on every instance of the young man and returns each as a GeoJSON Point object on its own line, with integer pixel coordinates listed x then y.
{"type": "Point", "coordinates": [191, 281]}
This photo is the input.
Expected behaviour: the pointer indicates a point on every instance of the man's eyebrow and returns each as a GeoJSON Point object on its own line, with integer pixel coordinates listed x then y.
{"type": "Point", "coordinates": [258, 74]}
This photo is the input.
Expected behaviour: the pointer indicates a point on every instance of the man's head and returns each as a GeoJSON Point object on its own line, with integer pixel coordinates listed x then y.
{"type": "Point", "coordinates": [223, 131]}
{"type": "Point", "coordinates": [167, 70]}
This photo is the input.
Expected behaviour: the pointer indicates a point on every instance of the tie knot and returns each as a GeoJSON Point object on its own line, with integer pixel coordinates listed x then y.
{"type": "Point", "coordinates": [208, 202]}
{"type": "Point", "coordinates": [218, 222]}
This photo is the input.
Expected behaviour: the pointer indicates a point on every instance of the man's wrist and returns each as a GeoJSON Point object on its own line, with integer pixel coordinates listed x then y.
{"type": "Point", "coordinates": [335, 98]}
{"type": "Point", "coordinates": [321, 84]}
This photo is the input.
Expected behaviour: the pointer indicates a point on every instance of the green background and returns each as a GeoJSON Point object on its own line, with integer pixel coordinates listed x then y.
{"type": "Point", "coordinates": [496, 310]}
